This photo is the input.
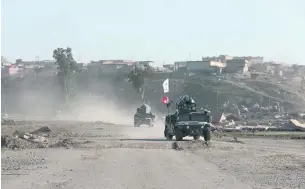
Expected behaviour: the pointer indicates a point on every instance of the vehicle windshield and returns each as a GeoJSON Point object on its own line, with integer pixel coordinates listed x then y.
{"type": "Point", "coordinates": [184, 117]}
{"type": "Point", "coordinates": [198, 117]}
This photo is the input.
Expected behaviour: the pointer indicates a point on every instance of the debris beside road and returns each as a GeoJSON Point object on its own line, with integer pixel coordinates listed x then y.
{"type": "Point", "coordinates": [40, 138]}
{"type": "Point", "coordinates": [7, 122]}
{"type": "Point", "coordinates": [66, 143]}
{"type": "Point", "coordinates": [19, 143]}
{"type": "Point", "coordinates": [42, 130]}
{"type": "Point", "coordinates": [190, 145]}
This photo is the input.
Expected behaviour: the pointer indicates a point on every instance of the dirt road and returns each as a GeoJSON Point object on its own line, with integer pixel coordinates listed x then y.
{"type": "Point", "coordinates": [118, 156]}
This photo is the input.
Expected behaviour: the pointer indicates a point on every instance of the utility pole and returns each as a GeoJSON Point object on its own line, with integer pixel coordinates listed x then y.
{"type": "Point", "coordinates": [37, 59]}
{"type": "Point", "coordinates": [269, 101]}
{"type": "Point", "coordinates": [303, 81]}
{"type": "Point", "coordinates": [217, 93]}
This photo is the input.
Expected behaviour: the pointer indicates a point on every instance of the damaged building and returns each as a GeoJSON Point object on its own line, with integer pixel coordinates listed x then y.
{"type": "Point", "coordinates": [205, 66]}
{"type": "Point", "coordinates": [236, 66]}
{"type": "Point", "coordinates": [110, 66]}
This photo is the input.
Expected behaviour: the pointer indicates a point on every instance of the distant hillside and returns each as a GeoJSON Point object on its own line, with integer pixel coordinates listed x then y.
{"type": "Point", "coordinates": [45, 90]}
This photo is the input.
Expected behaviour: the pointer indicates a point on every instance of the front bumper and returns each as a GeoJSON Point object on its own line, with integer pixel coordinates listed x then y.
{"type": "Point", "coordinates": [193, 130]}
{"type": "Point", "coordinates": [143, 121]}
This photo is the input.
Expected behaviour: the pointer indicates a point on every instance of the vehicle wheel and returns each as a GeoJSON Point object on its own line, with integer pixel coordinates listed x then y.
{"type": "Point", "coordinates": [196, 137]}
{"type": "Point", "coordinates": [179, 135]}
{"type": "Point", "coordinates": [169, 137]}
{"type": "Point", "coordinates": [136, 124]}
{"type": "Point", "coordinates": [207, 135]}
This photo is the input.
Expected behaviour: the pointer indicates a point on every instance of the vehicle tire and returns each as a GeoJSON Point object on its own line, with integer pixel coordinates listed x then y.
{"type": "Point", "coordinates": [196, 137]}
{"type": "Point", "coordinates": [136, 124]}
{"type": "Point", "coordinates": [179, 135]}
{"type": "Point", "coordinates": [207, 135]}
{"type": "Point", "coordinates": [169, 137]}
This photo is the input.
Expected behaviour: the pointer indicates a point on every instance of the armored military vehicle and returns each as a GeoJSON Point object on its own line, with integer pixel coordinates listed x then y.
{"type": "Point", "coordinates": [143, 116]}
{"type": "Point", "coordinates": [187, 121]}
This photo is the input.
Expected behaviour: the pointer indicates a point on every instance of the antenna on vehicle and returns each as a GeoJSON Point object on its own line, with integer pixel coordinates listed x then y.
{"type": "Point", "coordinates": [143, 99]}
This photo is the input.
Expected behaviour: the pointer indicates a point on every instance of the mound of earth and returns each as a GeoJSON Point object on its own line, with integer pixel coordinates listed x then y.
{"type": "Point", "coordinates": [190, 145]}
{"type": "Point", "coordinates": [40, 138]}
{"type": "Point", "coordinates": [67, 143]}
{"type": "Point", "coordinates": [42, 130]}
{"type": "Point", "coordinates": [7, 122]}
{"type": "Point", "coordinates": [19, 143]}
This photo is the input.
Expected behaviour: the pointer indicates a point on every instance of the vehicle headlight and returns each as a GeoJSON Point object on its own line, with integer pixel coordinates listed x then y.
{"type": "Point", "coordinates": [187, 127]}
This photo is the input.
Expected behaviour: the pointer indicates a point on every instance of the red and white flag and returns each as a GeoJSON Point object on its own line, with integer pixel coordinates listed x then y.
{"type": "Point", "coordinates": [165, 100]}
{"type": "Point", "coordinates": [13, 69]}
{"type": "Point", "coordinates": [166, 86]}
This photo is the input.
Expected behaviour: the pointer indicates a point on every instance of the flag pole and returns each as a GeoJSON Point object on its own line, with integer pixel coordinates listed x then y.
{"type": "Point", "coordinates": [165, 99]}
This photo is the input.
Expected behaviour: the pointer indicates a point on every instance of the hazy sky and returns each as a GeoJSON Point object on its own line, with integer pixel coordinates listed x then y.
{"type": "Point", "coordinates": [160, 30]}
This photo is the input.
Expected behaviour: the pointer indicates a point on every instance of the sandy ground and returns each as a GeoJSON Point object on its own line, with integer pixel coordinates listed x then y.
{"type": "Point", "coordinates": [121, 156]}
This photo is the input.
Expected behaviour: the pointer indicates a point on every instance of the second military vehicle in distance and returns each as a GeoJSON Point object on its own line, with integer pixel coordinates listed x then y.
{"type": "Point", "coordinates": [143, 116]}
{"type": "Point", "coordinates": [187, 121]}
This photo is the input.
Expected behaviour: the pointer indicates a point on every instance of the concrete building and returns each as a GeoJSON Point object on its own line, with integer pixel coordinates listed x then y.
{"type": "Point", "coordinates": [205, 66]}
{"type": "Point", "coordinates": [143, 64]}
{"type": "Point", "coordinates": [180, 66]}
{"type": "Point", "coordinates": [236, 66]}
{"type": "Point", "coordinates": [113, 68]}
{"type": "Point", "coordinates": [298, 69]}
{"type": "Point", "coordinates": [155, 66]}
{"type": "Point", "coordinates": [251, 59]}
{"type": "Point", "coordinates": [272, 68]}
{"type": "Point", "coordinates": [170, 67]}
{"type": "Point", "coordinates": [110, 66]}
{"type": "Point", "coordinates": [255, 75]}
{"type": "Point", "coordinates": [255, 60]}
{"type": "Point", "coordinates": [221, 58]}
{"type": "Point", "coordinates": [98, 62]}
{"type": "Point", "coordinates": [127, 62]}
{"type": "Point", "coordinates": [35, 63]}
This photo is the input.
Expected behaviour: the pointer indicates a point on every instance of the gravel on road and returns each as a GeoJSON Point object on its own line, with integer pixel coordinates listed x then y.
{"type": "Point", "coordinates": [93, 155]}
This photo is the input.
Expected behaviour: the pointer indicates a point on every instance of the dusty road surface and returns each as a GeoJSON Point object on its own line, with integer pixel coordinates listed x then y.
{"type": "Point", "coordinates": [96, 155]}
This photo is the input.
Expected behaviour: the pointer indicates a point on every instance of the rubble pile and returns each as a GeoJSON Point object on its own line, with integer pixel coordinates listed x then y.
{"type": "Point", "coordinates": [30, 137]}
{"type": "Point", "coordinates": [40, 138]}
{"type": "Point", "coordinates": [65, 143]}
{"type": "Point", "coordinates": [43, 130]}
{"type": "Point", "coordinates": [22, 140]}
{"type": "Point", "coordinates": [190, 145]}
{"type": "Point", "coordinates": [7, 122]}
{"type": "Point", "coordinates": [19, 143]}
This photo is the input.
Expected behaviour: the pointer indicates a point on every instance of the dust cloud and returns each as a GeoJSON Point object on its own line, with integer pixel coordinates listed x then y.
{"type": "Point", "coordinates": [28, 104]}
{"type": "Point", "coordinates": [40, 97]}
{"type": "Point", "coordinates": [99, 108]}
{"type": "Point", "coordinates": [46, 103]}
{"type": "Point", "coordinates": [144, 132]}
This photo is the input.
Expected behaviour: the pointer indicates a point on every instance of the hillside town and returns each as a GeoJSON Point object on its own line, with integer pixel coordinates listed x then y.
{"type": "Point", "coordinates": [223, 64]}
{"type": "Point", "coordinates": [278, 87]}
{"type": "Point", "coordinates": [153, 94]}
